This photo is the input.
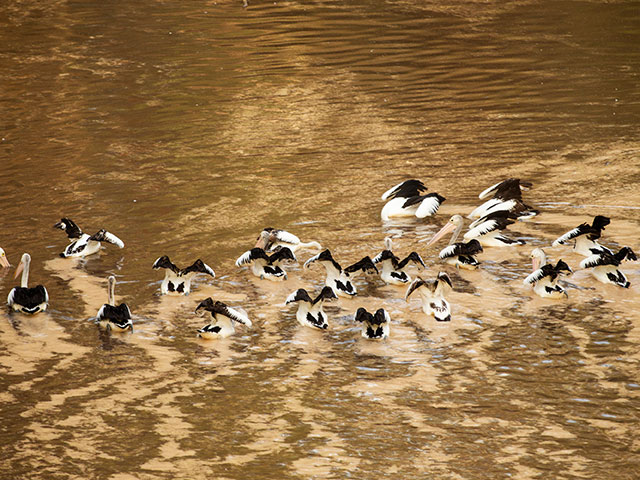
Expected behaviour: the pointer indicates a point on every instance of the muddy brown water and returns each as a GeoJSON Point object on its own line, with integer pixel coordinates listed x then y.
{"type": "Point", "coordinates": [187, 127]}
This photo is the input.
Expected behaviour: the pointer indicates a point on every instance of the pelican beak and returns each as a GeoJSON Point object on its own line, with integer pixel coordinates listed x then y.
{"type": "Point", "coordinates": [4, 263]}
{"type": "Point", "coordinates": [448, 228]}
{"type": "Point", "coordinates": [262, 242]}
{"type": "Point", "coordinates": [535, 264]}
{"type": "Point", "coordinates": [19, 270]}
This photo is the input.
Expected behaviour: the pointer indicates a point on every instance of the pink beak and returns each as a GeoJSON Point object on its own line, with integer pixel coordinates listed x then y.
{"type": "Point", "coordinates": [262, 242]}
{"type": "Point", "coordinates": [535, 263]}
{"type": "Point", "coordinates": [4, 263]}
{"type": "Point", "coordinates": [448, 228]}
{"type": "Point", "coordinates": [19, 270]}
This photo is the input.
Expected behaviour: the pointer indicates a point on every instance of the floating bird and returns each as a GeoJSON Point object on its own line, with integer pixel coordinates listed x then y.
{"type": "Point", "coordinates": [271, 239]}
{"type": "Point", "coordinates": [310, 313]}
{"type": "Point", "coordinates": [24, 299]}
{"type": "Point", "coordinates": [586, 237]}
{"type": "Point", "coordinates": [460, 254]}
{"type": "Point", "coordinates": [114, 318]}
{"type": "Point", "coordinates": [432, 293]}
{"type": "Point", "coordinates": [83, 244]}
{"type": "Point", "coordinates": [507, 196]}
{"type": "Point", "coordinates": [337, 278]}
{"type": "Point", "coordinates": [544, 276]}
{"type": "Point", "coordinates": [374, 326]}
{"type": "Point", "coordinates": [392, 268]}
{"type": "Point", "coordinates": [407, 200]}
{"type": "Point", "coordinates": [4, 263]}
{"type": "Point", "coordinates": [604, 266]}
{"type": "Point", "coordinates": [488, 230]}
{"type": "Point", "coordinates": [178, 281]}
{"type": "Point", "coordinates": [264, 265]}
{"type": "Point", "coordinates": [223, 319]}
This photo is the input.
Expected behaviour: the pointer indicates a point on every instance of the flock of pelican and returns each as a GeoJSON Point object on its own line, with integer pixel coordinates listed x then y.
{"type": "Point", "coordinates": [275, 249]}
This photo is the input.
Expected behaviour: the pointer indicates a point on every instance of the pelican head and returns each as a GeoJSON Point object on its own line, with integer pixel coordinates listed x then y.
{"type": "Point", "coordinates": [111, 289]}
{"type": "Point", "coordinates": [538, 258]}
{"type": "Point", "coordinates": [4, 263]}
{"type": "Point", "coordinates": [23, 268]}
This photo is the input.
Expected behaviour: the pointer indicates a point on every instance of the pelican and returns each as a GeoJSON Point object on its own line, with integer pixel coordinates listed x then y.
{"type": "Point", "coordinates": [586, 237]}
{"type": "Point", "coordinates": [488, 230]}
{"type": "Point", "coordinates": [310, 313]}
{"type": "Point", "coordinates": [337, 278]}
{"type": "Point", "coordinates": [24, 299]}
{"type": "Point", "coordinates": [178, 281]}
{"type": "Point", "coordinates": [271, 239]}
{"type": "Point", "coordinates": [266, 266]}
{"type": "Point", "coordinates": [507, 196]}
{"type": "Point", "coordinates": [407, 200]}
{"type": "Point", "coordinates": [392, 268]}
{"type": "Point", "coordinates": [114, 318]}
{"type": "Point", "coordinates": [4, 263]}
{"type": "Point", "coordinates": [432, 293]}
{"type": "Point", "coordinates": [544, 276]}
{"type": "Point", "coordinates": [374, 326]}
{"type": "Point", "coordinates": [604, 266]}
{"type": "Point", "coordinates": [223, 319]}
{"type": "Point", "coordinates": [460, 254]}
{"type": "Point", "coordinates": [83, 244]}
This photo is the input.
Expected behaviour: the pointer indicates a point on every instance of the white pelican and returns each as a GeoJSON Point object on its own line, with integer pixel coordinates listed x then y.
{"type": "Point", "coordinates": [586, 237]}
{"type": "Point", "coordinates": [177, 280]}
{"type": "Point", "coordinates": [271, 238]}
{"type": "Point", "coordinates": [544, 276]}
{"type": "Point", "coordinates": [407, 200]}
{"type": "Point", "coordinates": [223, 318]}
{"type": "Point", "coordinates": [310, 313]}
{"type": "Point", "coordinates": [83, 244]}
{"type": "Point", "coordinates": [507, 196]}
{"type": "Point", "coordinates": [374, 326]}
{"type": "Point", "coordinates": [392, 268]}
{"type": "Point", "coordinates": [4, 263]}
{"type": "Point", "coordinates": [460, 254]}
{"type": "Point", "coordinates": [604, 266]}
{"type": "Point", "coordinates": [114, 318]}
{"type": "Point", "coordinates": [488, 230]}
{"type": "Point", "coordinates": [432, 294]}
{"type": "Point", "coordinates": [24, 299]}
{"type": "Point", "coordinates": [337, 278]}
{"type": "Point", "coordinates": [266, 266]}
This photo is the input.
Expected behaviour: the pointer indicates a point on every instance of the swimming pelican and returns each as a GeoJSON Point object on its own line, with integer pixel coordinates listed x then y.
{"type": "Point", "coordinates": [310, 313]}
{"type": "Point", "coordinates": [114, 318]}
{"type": "Point", "coordinates": [604, 266]}
{"type": "Point", "coordinates": [460, 254]}
{"type": "Point", "coordinates": [507, 196]}
{"type": "Point", "coordinates": [178, 281]}
{"type": "Point", "coordinates": [392, 268]}
{"type": "Point", "coordinates": [374, 326]}
{"type": "Point", "coordinates": [432, 293]}
{"type": "Point", "coordinates": [337, 278]}
{"type": "Point", "coordinates": [83, 244]}
{"type": "Point", "coordinates": [266, 266]}
{"type": "Point", "coordinates": [24, 299]}
{"type": "Point", "coordinates": [271, 238]}
{"type": "Point", "coordinates": [4, 263]}
{"type": "Point", "coordinates": [544, 276]}
{"type": "Point", "coordinates": [223, 319]}
{"type": "Point", "coordinates": [407, 200]}
{"type": "Point", "coordinates": [586, 237]}
{"type": "Point", "coordinates": [488, 230]}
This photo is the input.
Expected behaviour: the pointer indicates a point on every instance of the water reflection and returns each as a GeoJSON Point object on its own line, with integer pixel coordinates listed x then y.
{"type": "Point", "coordinates": [188, 128]}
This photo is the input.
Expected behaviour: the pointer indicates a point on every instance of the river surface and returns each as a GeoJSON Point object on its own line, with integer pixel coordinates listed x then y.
{"type": "Point", "coordinates": [187, 127]}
